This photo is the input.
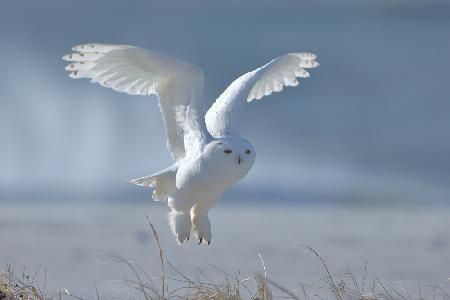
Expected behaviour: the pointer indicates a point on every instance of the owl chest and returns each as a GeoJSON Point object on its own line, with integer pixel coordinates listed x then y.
{"type": "Point", "coordinates": [197, 179]}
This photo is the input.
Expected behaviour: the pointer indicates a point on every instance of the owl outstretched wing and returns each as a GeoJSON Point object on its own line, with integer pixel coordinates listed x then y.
{"type": "Point", "coordinates": [224, 116]}
{"type": "Point", "coordinates": [136, 71]}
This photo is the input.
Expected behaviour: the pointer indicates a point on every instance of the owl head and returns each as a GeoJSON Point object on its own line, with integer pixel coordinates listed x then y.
{"type": "Point", "coordinates": [231, 155]}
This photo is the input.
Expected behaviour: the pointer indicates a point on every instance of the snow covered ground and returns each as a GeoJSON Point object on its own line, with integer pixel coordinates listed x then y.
{"type": "Point", "coordinates": [74, 243]}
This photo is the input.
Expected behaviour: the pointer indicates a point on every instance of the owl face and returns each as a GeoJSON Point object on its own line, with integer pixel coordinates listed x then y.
{"type": "Point", "coordinates": [234, 156]}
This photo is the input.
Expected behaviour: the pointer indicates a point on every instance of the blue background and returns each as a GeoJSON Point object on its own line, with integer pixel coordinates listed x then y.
{"type": "Point", "coordinates": [371, 125]}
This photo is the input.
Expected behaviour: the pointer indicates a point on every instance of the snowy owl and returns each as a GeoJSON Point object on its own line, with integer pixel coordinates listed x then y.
{"type": "Point", "coordinates": [209, 153]}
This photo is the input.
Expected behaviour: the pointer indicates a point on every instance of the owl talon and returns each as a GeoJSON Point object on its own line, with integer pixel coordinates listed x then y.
{"type": "Point", "coordinates": [200, 241]}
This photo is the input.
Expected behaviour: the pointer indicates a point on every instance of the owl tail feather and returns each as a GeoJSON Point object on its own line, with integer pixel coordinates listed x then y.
{"type": "Point", "coordinates": [163, 182]}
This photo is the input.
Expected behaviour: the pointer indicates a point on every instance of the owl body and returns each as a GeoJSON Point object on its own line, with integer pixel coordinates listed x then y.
{"type": "Point", "coordinates": [201, 180]}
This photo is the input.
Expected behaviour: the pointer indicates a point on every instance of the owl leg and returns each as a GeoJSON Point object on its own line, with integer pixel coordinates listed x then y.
{"type": "Point", "coordinates": [180, 218]}
{"type": "Point", "coordinates": [180, 223]}
{"type": "Point", "coordinates": [201, 224]}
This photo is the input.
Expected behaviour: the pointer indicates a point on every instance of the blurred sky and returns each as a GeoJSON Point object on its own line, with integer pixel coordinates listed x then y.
{"type": "Point", "coordinates": [372, 125]}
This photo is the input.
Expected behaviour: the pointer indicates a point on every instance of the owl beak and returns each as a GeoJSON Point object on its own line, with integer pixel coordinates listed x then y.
{"type": "Point", "coordinates": [239, 160]}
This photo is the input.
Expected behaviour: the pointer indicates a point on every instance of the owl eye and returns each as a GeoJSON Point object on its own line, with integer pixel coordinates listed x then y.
{"type": "Point", "coordinates": [247, 151]}
{"type": "Point", "coordinates": [227, 151]}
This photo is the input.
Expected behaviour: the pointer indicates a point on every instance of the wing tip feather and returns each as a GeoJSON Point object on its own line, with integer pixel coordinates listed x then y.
{"type": "Point", "coordinates": [305, 55]}
{"type": "Point", "coordinates": [146, 181]}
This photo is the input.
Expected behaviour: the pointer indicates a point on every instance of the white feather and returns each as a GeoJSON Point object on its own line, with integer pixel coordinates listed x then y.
{"type": "Point", "coordinates": [224, 117]}
{"type": "Point", "coordinates": [138, 71]}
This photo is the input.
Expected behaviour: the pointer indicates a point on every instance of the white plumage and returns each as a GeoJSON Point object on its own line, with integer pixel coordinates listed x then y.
{"type": "Point", "coordinates": [209, 153]}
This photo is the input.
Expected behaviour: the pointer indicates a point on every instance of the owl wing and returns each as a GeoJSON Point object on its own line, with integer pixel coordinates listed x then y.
{"type": "Point", "coordinates": [135, 71]}
{"type": "Point", "coordinates": [224, 116]}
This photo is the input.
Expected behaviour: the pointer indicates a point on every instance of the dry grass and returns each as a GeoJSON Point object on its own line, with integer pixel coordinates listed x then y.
{"type": "Point", "coordinates": [26, 287]}
{"type": "Point", "coordinates": [232, 287]}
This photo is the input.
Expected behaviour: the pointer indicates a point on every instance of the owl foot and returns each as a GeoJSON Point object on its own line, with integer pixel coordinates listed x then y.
{"type": "Point", "coordinates": [203, 239]}
{"type": "Point", "coordinates": [203, 234]}
{"type": "Point", "coordinates": [181, 242]}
